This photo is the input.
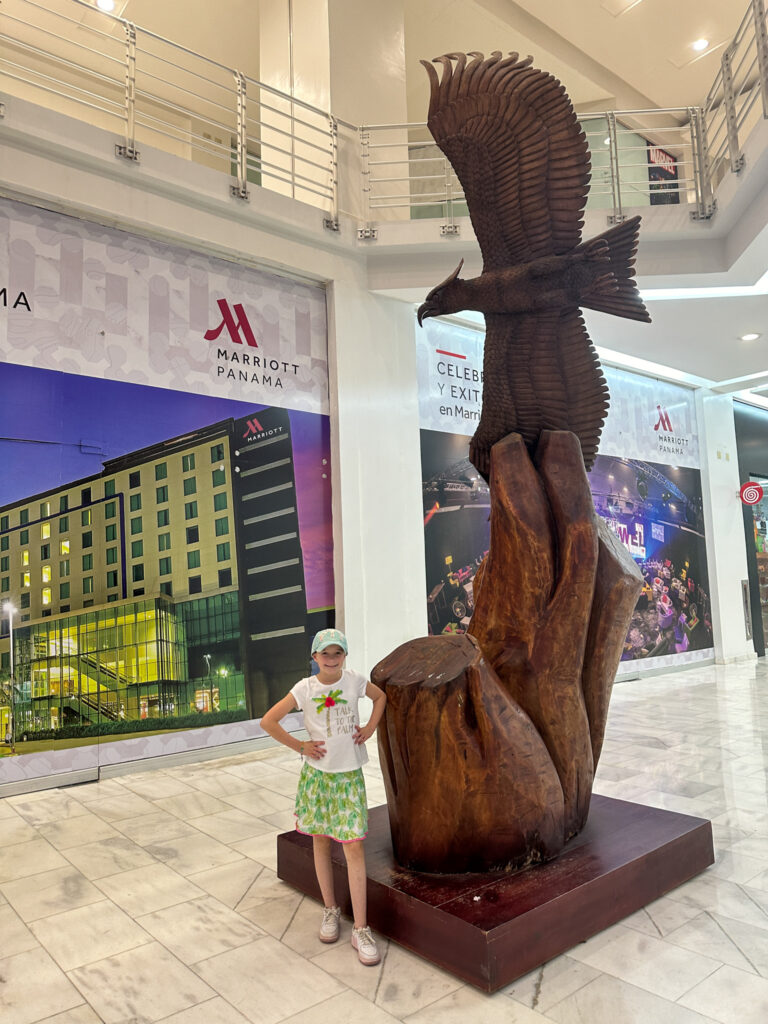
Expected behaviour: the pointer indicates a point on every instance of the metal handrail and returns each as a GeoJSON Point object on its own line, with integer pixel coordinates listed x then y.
{"type": "Point", "coordinates": [207, 111]}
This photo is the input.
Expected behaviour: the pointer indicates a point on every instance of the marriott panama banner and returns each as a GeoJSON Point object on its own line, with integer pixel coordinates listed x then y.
{"type": "Point", "coordinates": [646, 484]}
{"type": "Point", "coordinates": [165, 506]}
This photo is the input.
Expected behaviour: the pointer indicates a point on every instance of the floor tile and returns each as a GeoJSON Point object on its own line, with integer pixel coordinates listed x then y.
{"type": "Point", "coordinates": [221, 784]}
{"type": "Point", "coordinates": [91, 933]}
{"type": "Point", "coordinates": [270, 903]}
{"type": "Point", "coordinates": [86, 828]}
{"type": "Point", "coordinates": [157, 827]}
{"type": "Point", "coordinates": [155, 785]}
{"type": "Point", "coordinates": [261, 848]}
{"type": "Point", "coordinates": [144, 984]}
{"type": "Point", "coordinates": [190, 854]}
{"type": "Point", "coordinates": [231, 825]}
{"type": "Point", "coordinates": [34, 987]}
{"type": "Point", "coordinates": [50, 892]}
{"type": "Point", "coordinates": [550, 983]}
{"type": "Point", "coordinates": [261, 802]}
{"type": "Point", "coordinates": [82, 1014]}
{"type": "Point", "coordinates": [706, 936]}
{"type": "Point", "coordinates": [284, 984]}
{"type": "Point", "coordinates": [468, 1004]}
{"type": "Point", "coordinates": [189, 806]}
{"type": "Point", "coordinates": [345, 1008]}
{"type": "Point", "coordinates": [213, 1011]}
{"type": "Point", "coordinates": [53, 805]}
{"type": "Point", "coordinates": [15, 936]}
{"type": "Point", "coordinates": [146, 889]}
{"type": "Point", "coordinates": [731, 997]}
{"type": "Point", "coordinates": [608, 1000]}
{"type": "Point", "coordinates": [117, 808]}
{"type": "Point", "coordinates": [199, 929]}
{"type": "Point", "coordinates": [25, 859]}
{"type": "Point", "coordinates": [649, 963]}
{"type": "Point", "coordinates": [108, 857]}
{"type": "Point", "coordinates": [230, 882]}
{"type": "Point", "coordinates": [408, 983]}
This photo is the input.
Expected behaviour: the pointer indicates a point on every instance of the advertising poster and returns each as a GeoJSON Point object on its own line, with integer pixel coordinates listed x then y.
{"type": "Point", "coordinates": [646, 484]}
{"type": "Point", "coordinates": [165, 508]}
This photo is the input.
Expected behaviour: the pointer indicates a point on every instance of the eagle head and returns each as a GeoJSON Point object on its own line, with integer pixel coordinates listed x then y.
{"type": "Point", "coordinates": [440, 300]}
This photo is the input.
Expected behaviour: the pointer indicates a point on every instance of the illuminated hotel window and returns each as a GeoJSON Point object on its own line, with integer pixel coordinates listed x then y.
{"type": "Point", "coordinates": [110, 532]}
{"type": "Point", "coordinates": [25, 557]}
{"type": "Point", "coordinates": [85, 517]}
{"type": "Point", "coordinates": [222, 552]}
{"type": "Point", "coordinates": [64, 567]}
{"type": "Point", "coordinates": [46, 595]}
{"type": "Point", "coordinates": [45, 531]}
{"type": "Point", "coordinates": [26, 579]}
{"type": "Point", "coordinates": [45, 509]}
{"type": "Point", "coordinates": [161, 494]}
{"type": "Point", "coordinates": [45, 551]}
{"type": "Point", "coordinates": [188, 462]}
{"type": "Point", "coordinates": [138, 573]}
{"type": "Point", "coordinates": [112, 578]}
{"type": "Point", "coordinates": [219, 477]}
{"type": "Point", "coordinates": [222, 526]}
{"type": "Point", "coordinates": [161, 471]}
{"type": "Point", "coordinates": [136, 525]}
{"type": "Point", "coordinates": [64, 524]}
{"type": "Point", "coordinates": [217, 453]}
{"type": "Point", "coordinates": [87, 563]}
{"type": "Point", "coordinates": [23, 517]}
{"type": "Point", "coordinates": [109, 488]}
{"type": "Point", "coordinates": [220, 501]}
{"type": "Point", "coordinates": [111, 556]}
{"type": "Point", "coordinates": [110, 510]}
{"type": "Point", "coordinates": [193, 559]}
{"type": "Point", "coordinates": [63, 503]}
{"type": "Point", "coordinates": [63, 547]}
{"type": "Point", "coordinates": [87, 584]}
{"type": "Point", "coordinates": [163, 542]}
{"type": "Point", "coordinates": [63, 591]}
{"type": "Point", "coordinates": [165, 566]}
{"type": "Point", "coordinates": [190, 510]}
{"type": "Point", "coordinates": [193, 535]}
{"type": "Point", "coordinates": [87, 539]}
{"type": "Point", "coordinates": [190, 485]}
{"type": "Point", "coordinates": [23, 537]}
{"type": "Point", "coordinates": [46, 573]}
{"type": "Point", "coordinates": [137, 548]}
{"type": "Point", "coordinates": [134, 479]}
{"type": "Point", "coordinates": [135, 502]}
{"type": "Point", "coordinates": [163, 517]}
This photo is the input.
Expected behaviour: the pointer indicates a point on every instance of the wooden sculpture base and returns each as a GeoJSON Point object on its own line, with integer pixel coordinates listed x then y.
{"type": "Point", "coordinates": [490, 929]}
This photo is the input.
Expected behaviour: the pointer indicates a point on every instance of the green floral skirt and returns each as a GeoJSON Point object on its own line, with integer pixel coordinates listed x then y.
{"type": "Point", "coordinates": [332, 804]}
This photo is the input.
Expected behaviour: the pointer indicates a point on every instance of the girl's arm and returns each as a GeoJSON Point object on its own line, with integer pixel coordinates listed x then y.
{"type": "Point", "coordinates": [270, 723]}
{"type": "Point", "coordinates": [379, 699]}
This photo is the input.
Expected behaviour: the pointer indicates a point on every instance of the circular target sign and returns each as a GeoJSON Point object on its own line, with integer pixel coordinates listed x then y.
{"type": "Point", "coordinates": [751, 493]}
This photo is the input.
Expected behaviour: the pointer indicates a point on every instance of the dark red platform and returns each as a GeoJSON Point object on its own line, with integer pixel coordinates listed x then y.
{"type": "Point", "coordinates": [490, 929]}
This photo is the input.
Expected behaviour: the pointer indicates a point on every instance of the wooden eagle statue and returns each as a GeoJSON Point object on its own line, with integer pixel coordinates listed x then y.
{"type": "Point", "coordinates": [511, 135]}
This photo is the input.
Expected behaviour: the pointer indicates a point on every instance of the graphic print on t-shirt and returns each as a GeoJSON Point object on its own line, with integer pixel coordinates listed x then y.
{"type": "Point", "coordinates": [343, 716]}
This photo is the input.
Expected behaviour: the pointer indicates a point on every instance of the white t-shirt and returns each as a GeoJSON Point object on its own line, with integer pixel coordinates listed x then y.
{"type": "Point", "coordinates": [331, 714]}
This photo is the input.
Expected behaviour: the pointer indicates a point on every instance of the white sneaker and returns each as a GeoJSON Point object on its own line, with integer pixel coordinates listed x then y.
{"type": "Point", "coordinates": [365, 944]}
{"type": "Point", "coordinates": [329, 929]}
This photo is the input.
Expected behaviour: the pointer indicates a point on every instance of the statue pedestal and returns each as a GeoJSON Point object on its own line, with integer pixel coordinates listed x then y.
{"type": "Point", "coordinates": [490, 929]}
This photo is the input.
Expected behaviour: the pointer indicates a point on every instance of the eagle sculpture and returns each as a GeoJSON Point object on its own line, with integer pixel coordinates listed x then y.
{"type": "Point", "coordinates": [511, 134]}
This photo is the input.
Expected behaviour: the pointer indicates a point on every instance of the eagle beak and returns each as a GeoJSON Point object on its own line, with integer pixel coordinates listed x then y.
{"type": "Point", "coordinates": [425, 310]}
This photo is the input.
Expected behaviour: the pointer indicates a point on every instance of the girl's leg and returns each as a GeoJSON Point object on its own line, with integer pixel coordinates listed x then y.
{"type": "Point", "coordinates": [321, 847]}
{"type": "Point", "coordinates": [358, 880]}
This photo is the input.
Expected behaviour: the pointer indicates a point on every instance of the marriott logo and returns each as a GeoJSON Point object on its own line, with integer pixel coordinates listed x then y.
{"type": "Point", "coordinates": [664, 422]}
{"type": "Point", "coordinates": [237, 323]}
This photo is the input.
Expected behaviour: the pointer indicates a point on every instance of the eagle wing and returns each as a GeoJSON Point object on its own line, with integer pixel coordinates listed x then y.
{"type": "Point", "coordinates": [511, 135]}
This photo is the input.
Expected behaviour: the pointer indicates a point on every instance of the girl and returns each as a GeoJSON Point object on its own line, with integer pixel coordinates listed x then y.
{"type": "Point", "coordinates": [330, 801]}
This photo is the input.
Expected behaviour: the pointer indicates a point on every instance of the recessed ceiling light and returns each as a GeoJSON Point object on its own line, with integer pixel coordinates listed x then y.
{"type": "Point", "coordinates": [750, 337]}
{"type": "Point", "coordinates": [699, 45]}
{"type": "Point", "coordinates": [606, 141]}
{"type": "Point", "coordinates": [106, 5]}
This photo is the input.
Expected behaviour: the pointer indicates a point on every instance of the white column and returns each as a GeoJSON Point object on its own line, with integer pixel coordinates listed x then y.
{"type": "Point", "coordinates": [377, 503]}
{"type": "Point", "coordinates": [724, 525]}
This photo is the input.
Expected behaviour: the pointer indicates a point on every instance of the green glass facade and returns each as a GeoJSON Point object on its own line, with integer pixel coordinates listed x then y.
{"type": "Point", "coordinates": [127, 661]}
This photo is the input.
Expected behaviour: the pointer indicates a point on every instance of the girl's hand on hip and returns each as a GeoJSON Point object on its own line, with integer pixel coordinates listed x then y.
{"type": "Point", "coordinates": [314, 749]}
{"type": "Point", "coordinates": [364, 733]}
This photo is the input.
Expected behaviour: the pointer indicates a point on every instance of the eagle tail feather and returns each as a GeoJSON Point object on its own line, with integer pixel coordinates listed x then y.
{"type": "Point", "coordinates": [624, 300]}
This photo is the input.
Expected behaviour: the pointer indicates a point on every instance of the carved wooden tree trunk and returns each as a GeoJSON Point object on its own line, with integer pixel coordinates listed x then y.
{"type": "Point", "coordinates": [489, 745]}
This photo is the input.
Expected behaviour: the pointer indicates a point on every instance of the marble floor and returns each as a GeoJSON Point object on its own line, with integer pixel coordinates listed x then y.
{"type": "Point", "coordinates": [153, 896]}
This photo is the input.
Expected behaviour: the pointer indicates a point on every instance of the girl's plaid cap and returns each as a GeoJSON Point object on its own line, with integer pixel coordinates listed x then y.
{"type": "Point", "coordinates": [328, 637]}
